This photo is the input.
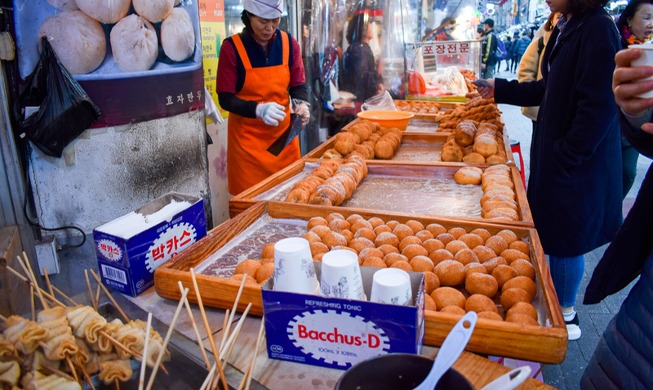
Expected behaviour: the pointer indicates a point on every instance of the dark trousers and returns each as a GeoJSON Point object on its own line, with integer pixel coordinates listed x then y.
{"type": "Point", "coordinates": [629, 157]}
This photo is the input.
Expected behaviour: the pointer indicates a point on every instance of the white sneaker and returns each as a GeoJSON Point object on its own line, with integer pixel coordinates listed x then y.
{"type": "Point", "coordinates": [573, 328]}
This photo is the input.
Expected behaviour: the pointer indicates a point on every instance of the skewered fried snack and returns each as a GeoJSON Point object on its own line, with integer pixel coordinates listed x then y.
{"type": "Point", "coordinates": [103, 343]}
{"type": "Point", "coordinates": [9, 374]}
{"type": "Point", "coordinates": [86, 322]}
{"type": "Point", "coordinates": [112, 368]}
{"type": "Point", "coordinates": [60, 341]}
{"type": "Point", "coordinates": [38, 381]}
{"type": "Point", "coordinates": [155, 344]}
{"type": "Point", "coordinates": [7, 349]}
{"type": "Point", "coordinates": [24, 334]}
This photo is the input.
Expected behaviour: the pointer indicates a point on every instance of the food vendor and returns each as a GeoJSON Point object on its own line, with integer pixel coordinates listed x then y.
{"type": "Point", "coordinates": [260, 75]}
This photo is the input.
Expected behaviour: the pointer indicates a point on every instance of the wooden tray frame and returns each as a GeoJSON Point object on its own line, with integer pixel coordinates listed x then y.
{"type": "Point", "coordinates": [412, 136]}
{"type": "Point", "coordinates": [246, 199]}
{"type": "Point", "coordinates": [545, 344]}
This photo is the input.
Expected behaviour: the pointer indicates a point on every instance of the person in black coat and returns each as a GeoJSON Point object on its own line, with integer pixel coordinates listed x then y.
{"type": "Point", "coordinates": [359, 69]}
{"type": "Point", "coordinates": [623, 358]}
{"type": "Point", "coordinates": [574, 188]}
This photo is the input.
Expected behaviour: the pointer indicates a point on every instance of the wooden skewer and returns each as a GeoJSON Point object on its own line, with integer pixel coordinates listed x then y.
{"type": "Point", "coordinates": [232, 337]}
{"type": "Point", "coordinates": [90, 290]}
{"type": "Point", "coordinates": [117, 383]}
{"type": "Point", "coordinates": [55, 371]}
{"type": "Point", "coordinates": [233, 312]}
{"type": "Point", "coordinates": [32, 278]}
{"type": "Point", "coordinates": [36, 284]}
{"type": "Point", "coordinates": [72, 368]}
{"type": "Point", "coordinates": [3, 318]}
{"type": "Point", "coordinates": [214, 349]}
{"type": "Point", "coordinates": [194, 324]}
{"type": "Point", "coordinates": [98, 290]}
{"type": "Point", "coordinates": [108, 294]}
{"type": "Point", "coordinates": [66, 297]}
{"type": "Point", "coordinates": [32, 285]}
{"type": "Point", "coordinates": [47, 281]}
{"type": "Point", "coordinates": [166, 340]}
{"type": "Point", "coordinates": [32, 303]}
{"type": "Point", "coordinates": [250, 369]}
{"type": "Point", "coordinates": [209, 378]}
{"type": "Point", "coordinates": [87, 377]}
{"type": "Point", "coordinates": [141, 377]}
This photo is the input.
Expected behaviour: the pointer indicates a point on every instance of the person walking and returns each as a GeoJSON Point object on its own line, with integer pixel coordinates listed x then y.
{"type": "Point", "coordinates": [520, 46]}
{"type": "Point", "coordinates": [509, 44]}
{"type": "Point", "coordinates": [530, 65]}
{"type": "Point", "coordinates": [260, 71]}
{"type": "Point", "coordinates": [574, 187]}
{"type": "Point", "coordinates": [623, 358]}
{"type": "Point", "coordinates": [489, 49]}
{"type": "Point", "coordinates": [635, 25]}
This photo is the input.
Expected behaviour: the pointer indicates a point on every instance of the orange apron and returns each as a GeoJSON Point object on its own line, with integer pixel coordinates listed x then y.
{"type": "Point", "coordinates": [248, 161]}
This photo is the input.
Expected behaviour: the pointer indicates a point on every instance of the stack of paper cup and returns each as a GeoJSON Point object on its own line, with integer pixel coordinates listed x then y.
{"type": "Point", "coordinates": [341, 275]}
{"type": "Point", "coordinates": [645, 60]}
{"type": "Point", "coordinates": [293, 267]}
{"type": "Point", "coordinates": [392, 286]}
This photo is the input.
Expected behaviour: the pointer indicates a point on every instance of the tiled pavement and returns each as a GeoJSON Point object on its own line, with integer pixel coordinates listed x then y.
{"type": "Point", "coordinates": [593, 318]}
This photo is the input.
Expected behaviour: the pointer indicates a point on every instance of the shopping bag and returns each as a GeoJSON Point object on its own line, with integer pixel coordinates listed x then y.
{"type": "Point", "coordinates": [64, 108]}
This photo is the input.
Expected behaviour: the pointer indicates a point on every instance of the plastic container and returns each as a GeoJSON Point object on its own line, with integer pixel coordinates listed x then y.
{"type": "Point", "coordinates": [387, 118]}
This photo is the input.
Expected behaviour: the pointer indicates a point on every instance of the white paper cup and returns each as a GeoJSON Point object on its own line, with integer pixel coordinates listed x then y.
{"type": "Point", "coordinates": [293, 267]}
{"type": "Point", "coordinates": [391, 286]}
{"type": "Point", "coordinates": [645, 60]}
{"type": "Point", "coordinates": [341, 275]}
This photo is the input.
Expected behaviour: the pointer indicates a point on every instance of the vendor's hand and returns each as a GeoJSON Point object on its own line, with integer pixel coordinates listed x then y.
{"type": "Point", "coordinates": [270, 113]}
{"type": "Point", "coordinates": [627, 83]}
{"type": "Point", "coordinates": [303, 111]}
{"type": "Point", "coordinates": [487, 91]}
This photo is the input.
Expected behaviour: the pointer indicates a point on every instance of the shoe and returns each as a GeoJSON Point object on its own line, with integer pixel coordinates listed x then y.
{"type": "Point", "coordinates": [573, 328]}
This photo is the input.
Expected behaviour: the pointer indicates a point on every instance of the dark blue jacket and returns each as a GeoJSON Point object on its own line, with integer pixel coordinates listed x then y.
{"type": "Point", "coordinates": [574, 188]}
{"type": "Point", "coordinates": [521, 45]}
{"type": "Point", "coordinates": [623, 359]}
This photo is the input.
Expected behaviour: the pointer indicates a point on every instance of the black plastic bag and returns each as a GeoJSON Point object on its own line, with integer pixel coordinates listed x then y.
{"type": "Point", "coordinates": [65, 110]}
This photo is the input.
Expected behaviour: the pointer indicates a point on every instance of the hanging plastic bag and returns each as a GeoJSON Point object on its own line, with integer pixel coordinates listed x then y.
{"type": "Point", "coordinates": [382, 101]}
{"type": "Point", "coordinates": [64, 108]}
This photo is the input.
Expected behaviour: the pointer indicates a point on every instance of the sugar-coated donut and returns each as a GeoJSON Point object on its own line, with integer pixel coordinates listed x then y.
{"type": "Point", "coordinates": [468, 175]}
{"type": "Point", "coordinates": [524, 268]}
{"type": "Point", "coordinates": [523, 308]}
{"type": "Point", "coordinates": [503, 273]}
{"type": "Point", "coordinates": [480, 303]}
{"type": "Point", "coordinates": [447, 296]}
{"type": "Point", "coordinates": [480, 283]}
{"type": "Point", "coordinates": [392, 258]}
{"type": "Point", "coordinates": [431, 282]}
{"type": "Point", "coordinates": [525, 283]}
{"type": "Point", "coordinates": [440, 255]}
{"type": "Point", "coordinates": [491, 264]}
{"type": "Point", "coordinates": [421, 264]}
{"type": "Point", "coordinates": [432, 244]}
{"type": "Point", "coordinates": [248, 266]}
{"type": "Point", "coordinates": [412, 250]}
{"type": "Point", "coordinates": [435, 229]}
{"type": "Point", "coordinates": [373, 261]}
{"type": "Point", "coordinates": [513, 295]}
{"type": "Point", "coordinates": [402, 265]}
{"type": "Point", "coordinates": [474, 267]}
{"type": "Point", "coordinates": [265, 271]}
{"type": "Point", "coordinates": [490, 315]}
{"type": "Point", "coordinates": [450, 272]}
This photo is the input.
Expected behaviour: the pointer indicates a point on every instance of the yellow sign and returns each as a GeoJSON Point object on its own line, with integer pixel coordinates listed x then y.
{"type": "Point", "coordinates": [213, 31]}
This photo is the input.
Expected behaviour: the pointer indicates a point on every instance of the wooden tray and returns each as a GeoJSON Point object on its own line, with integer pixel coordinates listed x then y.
{"type": "Point", "coordinates": [431, 106]}
{"type": "Point", "coordinates": [415, 147]}
{"type": "Point", "coordinates": [409, 189]}
{"type": "Point", "coordinates": [546, 343]}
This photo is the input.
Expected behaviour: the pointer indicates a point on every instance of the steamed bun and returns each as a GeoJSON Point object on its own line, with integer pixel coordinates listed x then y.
{"type": "Point", "coordinates": [177, 35]}
{"type": "Point", "coordinates": [77, 39]}
{"type": "Point", "coordinates": [66, 5]}
{"type": "Point", "coordinates": [154, 10]}
{"type": "Point", "coordinates": [105, 11]}
{"type": "Point", "coordinates": [134, 44]}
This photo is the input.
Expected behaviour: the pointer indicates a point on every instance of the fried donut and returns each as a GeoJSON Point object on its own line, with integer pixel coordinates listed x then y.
{"type": "Point", "coordinates": [468, 175]}
{"type": "Point", "coordinates": [450, 272]}
{"type": "Point", "coordinates": [448, 296]}
{"type": "Point", "coordinates": [480, 303]}
{"type": "Point", "coordinates": [480, 283]}
{"type": "Point", "coordinates": [421, 264]}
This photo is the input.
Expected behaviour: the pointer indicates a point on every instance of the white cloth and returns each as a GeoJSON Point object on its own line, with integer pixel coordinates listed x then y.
{"type": "Point", "coordinates": [266, 9]}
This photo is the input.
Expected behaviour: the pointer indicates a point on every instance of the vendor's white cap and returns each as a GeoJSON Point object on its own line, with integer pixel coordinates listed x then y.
{"type": "Point", "coordinates": [266, 9]}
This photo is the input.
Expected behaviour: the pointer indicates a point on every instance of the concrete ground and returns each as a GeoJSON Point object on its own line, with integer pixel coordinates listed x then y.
{"type": "Point", "coordinates": [593, 318]}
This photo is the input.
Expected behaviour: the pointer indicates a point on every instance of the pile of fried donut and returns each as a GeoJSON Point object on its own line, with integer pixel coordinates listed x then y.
{"type": "Point", "coordinates": [367, 139]}
{"type": "Point", "coordinates": [476, 108]}
{"type": "Point", "coordinates": [464, 269]}
{"type": "Point", "coordinates": [330, 184]}
{"type": "Point", "coordinates": [498, 202]}
{"type": "Point", "coordinates": [474, 143]}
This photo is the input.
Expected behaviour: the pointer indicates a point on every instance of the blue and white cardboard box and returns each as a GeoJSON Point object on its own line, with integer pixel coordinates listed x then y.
{"type": "Point", "coordinates": [339, 333]}
{"type": "Point", "coordinates": [131, 247]}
